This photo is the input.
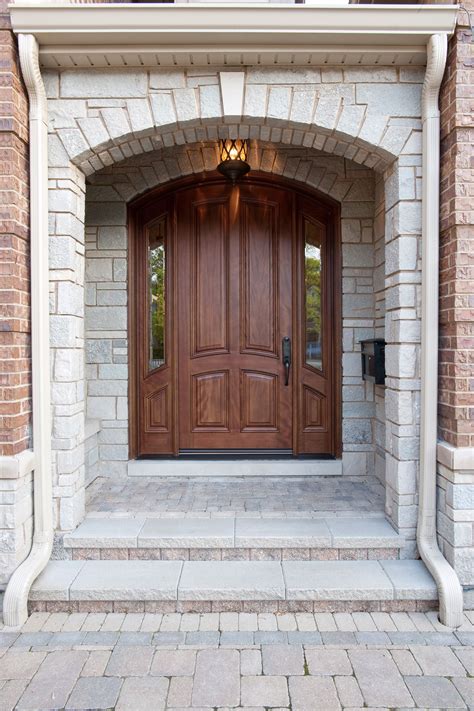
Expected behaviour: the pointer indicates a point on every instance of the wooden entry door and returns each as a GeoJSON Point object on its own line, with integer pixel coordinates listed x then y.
{"type": "Point", "coordinates": [234, 309]}
{"type": "Point", "coordinates": [220, 275]}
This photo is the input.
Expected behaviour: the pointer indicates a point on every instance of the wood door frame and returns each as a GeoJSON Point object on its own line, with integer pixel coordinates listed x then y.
{"type": "Point", "coordinates": [146, 200]}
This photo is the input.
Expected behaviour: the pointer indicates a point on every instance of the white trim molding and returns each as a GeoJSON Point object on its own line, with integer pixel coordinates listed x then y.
{"type": "Point", "coordinates": [449, 588]}
{"type": "Point", "coordinates": [15, 604]}
{"type": "Point", "coordinates": [296, 28]}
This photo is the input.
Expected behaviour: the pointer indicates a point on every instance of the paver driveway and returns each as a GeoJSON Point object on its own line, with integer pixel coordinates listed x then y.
{"type": "Point", "coordinates": [253, 661]}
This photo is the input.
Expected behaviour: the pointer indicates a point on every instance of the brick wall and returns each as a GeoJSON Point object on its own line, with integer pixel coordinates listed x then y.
{"type": "Point", "coordinates": [456, 382]}
{"type": "Point", "coordinates": [15, 374]}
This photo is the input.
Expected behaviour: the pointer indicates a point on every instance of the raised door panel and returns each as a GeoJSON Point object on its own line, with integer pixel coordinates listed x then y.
{"type": "Point", "coordinates": [259, 278]}
{"type": "Point", "coordinates": [210, 401]}
{"type": "Point", "coordinates": [210, 279]}
{"type": "Point", "coordinates": [157, 411]}
{"type": "Point", "coordinates": [259, 402]}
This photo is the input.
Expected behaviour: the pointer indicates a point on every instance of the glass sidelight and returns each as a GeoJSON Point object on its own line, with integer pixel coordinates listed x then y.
{"type": "Point", "coordinates": [313, 306]}
{"type": "Point", "coordinates": [156, 255]}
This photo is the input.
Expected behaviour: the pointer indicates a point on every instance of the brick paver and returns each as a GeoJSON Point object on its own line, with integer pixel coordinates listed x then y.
{"type": "Point", "coordinates": [211, 495]}
{"type": "Point", "coordinates": [204, 662]}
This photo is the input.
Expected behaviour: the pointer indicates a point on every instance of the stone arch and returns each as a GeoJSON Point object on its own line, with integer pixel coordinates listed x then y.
{"type": "Point", "coordinates": [345, 179]}
{"type": "Point", "coordinates": [126, 112]}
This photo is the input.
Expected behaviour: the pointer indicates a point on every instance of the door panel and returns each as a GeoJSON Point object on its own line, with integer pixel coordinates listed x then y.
{"type": "Point", "coordinates": [229, 281]}
{"type": "Point", "coordinates": [210, 279]}
{"type": "Point", "coordinates": [219, 276]}
{"type": "Point", "coordinates": [259, 278]}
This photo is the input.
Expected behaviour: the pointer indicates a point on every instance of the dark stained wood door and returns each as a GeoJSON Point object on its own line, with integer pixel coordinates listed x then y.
{"type": "Point", "coordinates": [219, 275]}
{"type": "Point", "coordinates": [235, 306]}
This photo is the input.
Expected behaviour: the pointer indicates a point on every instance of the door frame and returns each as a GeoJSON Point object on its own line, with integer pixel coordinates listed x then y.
{"type": "Point", "coordinates": [335, 276]}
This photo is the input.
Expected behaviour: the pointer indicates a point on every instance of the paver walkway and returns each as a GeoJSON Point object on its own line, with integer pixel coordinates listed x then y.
{"type": "Point", "coordinates": [228, 660]}
{"type": "Point", "coordinates": [228, 495]}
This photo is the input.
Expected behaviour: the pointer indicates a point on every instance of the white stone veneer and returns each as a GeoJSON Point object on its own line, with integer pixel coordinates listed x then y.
{"type": "Point", "coordinates": [370, 116]}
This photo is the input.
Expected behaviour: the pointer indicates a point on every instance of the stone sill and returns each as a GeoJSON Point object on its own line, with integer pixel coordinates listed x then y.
{"type": "Point", "coordinates": [17, 466]}
{"type": "Point", "coordinates": [455, 458]}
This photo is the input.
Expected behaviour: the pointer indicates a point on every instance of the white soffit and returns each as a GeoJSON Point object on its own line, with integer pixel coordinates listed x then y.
{"type": "Point", "coordinates": [153, 35]}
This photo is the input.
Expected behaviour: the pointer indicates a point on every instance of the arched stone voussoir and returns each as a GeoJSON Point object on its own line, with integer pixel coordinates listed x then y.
{"type": "Point", "coordinates": [96, 144]}
{"type": "Point", "coordinates": [335, 176]}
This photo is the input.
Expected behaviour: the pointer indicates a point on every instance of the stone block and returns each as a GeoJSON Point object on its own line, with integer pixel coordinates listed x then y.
{"type": "Point", "coordinates": [228, 580]}
{"type": "Point", "coordinates": [111, 580]}
{"type": "Point", "coordinates": [103, 318]}
{"type": "Point", "coordinates": [396, 99]}
{"type": "Point", "coordinates": [111, 297]}
{"type": "Point", "coordinates": [400, 476]}
{"type": "Point", "coordinates": [62, 253]}
{"type": "Point", "coordinates": [70, 298]}
{"type": "Point", "coordinates": [116, 121]}
{"type": "Point", "coordinates": [102, 408]}
{"type": "Point", "coordinates": [187, 533]}
{"type": "Point", "coordinates": [167, 79]}
{"type": "Point", "coordinates": [302, 106]}
{"type": "Point", "coordinates": [279, 102]}
{"type": "Point", "coordinates": [113, 371]}
{"type": "Point", "coordinates": [210, 101]}
{"type": "Point", "coordinates": [401, 254]}
{"type": "Point", "coordinates": [336, 580]}
{"type": "Point", "coordinates": [94, 131]}
{"type": "Point", "coordinates": [275, 533]}
{"type": "Point", "coordinates": [401, 361]}
{"type": "Point", "coordinates": [139, 114]}
{"type": "Point", "coordinates": [99, 269]}
{"type": "Point", "coordinates": [63, 331]}
{"type": "Point", "coordinates": [107, 387]}
{"type": "Point", "coordinates": [113, 83]}
{"type": "Point", "coordinates": [74, 142]}
{"type": "Point", "coordinates": [357, 255]}
{"type": "Point", "coordinates": [98, 351]}
{"type": "Point", "coordinates": [112, 237]}
{"type": "Point", "coordinates": [255, 101]}
{"type": "Point", "coordinates": [186, 106]}
{"type": "Point", "coordinates": [327, 112]}
{"type": "Point", "coordinates": [357, 432]}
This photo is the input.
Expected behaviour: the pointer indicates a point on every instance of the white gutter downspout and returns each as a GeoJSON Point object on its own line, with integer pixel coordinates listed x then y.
{"type": "Point", "coordinates": [449, 588]}
{"type": "Point", "coordinates": [15, 604]}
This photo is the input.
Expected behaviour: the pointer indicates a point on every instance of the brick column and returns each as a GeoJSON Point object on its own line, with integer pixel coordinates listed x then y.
{"type": "Point", "coordinates": [15, 373]}
{"type": "Point", "coordinates": [456, 355]}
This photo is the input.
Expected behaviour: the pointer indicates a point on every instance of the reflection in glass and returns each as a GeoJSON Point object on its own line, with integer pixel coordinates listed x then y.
{"type": "Point", "coordinates": [156, 295]}
{"type": "Point", "coordinates": [312, 279]}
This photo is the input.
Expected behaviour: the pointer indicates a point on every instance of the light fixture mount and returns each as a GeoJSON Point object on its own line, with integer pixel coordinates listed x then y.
{"type": "Point", "coordinates": [233, 154]}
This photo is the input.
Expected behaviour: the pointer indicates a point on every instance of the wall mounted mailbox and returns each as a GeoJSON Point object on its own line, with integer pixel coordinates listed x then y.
{"type": "Point", "coordinates": [373, 360]}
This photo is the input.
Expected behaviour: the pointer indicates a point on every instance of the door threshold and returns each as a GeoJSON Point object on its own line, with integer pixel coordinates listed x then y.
{"type": "Point", "coordinates": [212, 467]}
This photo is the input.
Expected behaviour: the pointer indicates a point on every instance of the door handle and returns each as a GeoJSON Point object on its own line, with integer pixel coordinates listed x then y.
{"type": "Point", "coordinates": [286, 355]}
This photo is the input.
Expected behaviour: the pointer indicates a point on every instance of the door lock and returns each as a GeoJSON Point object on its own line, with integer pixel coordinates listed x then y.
{"type": "Point", "coordinates": [286, 355]}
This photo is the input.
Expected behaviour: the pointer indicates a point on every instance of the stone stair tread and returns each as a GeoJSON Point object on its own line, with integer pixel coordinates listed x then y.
{"type": "Point", "coordinates": [234, 580]}
{"type": "Point", "coordinates": [186, 532]}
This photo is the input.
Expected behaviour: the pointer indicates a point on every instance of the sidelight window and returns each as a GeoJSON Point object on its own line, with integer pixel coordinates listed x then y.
{"type": "Point", "coordinates": [156, 293]}
{"type": "Point", "coordinates": [313, 306]}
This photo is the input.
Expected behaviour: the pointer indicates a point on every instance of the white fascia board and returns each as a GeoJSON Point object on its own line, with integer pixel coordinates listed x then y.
{"type": "Point", "coordinates": [228, 25]}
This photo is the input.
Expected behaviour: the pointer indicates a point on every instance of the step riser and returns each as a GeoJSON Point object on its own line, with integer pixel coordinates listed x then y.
{"type": "Point", "coordinates": [256, 606]}
{"type": "Point", "coordinates": [256, 554]}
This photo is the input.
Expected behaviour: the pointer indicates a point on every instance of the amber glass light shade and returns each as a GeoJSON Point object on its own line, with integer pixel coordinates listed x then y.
{"type": "Point", "coordinates": [233, 154]}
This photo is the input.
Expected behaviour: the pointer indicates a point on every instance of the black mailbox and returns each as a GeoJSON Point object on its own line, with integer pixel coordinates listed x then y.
{"type": "Point", "coordinates": [373, 360]}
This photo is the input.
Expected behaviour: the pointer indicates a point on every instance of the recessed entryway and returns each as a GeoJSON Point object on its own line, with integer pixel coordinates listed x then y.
{"type": "Point", "coordinates": [235, 316]}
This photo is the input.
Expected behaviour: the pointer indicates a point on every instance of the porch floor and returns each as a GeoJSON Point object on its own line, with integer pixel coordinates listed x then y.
{"type": "Point", "coordinates": [246, 496]}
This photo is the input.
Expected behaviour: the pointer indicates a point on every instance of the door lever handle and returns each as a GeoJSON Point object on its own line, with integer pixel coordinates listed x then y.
{"type": "Point", "coordinates": [286, 355]}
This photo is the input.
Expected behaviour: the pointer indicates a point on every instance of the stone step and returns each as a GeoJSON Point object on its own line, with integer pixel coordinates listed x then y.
{"type": "Point", "coordinates": [185, 538]}
{"type": "Point", "coordinates": [235, 467]}
{"type": "Point", "coordinates": [166, 586]}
